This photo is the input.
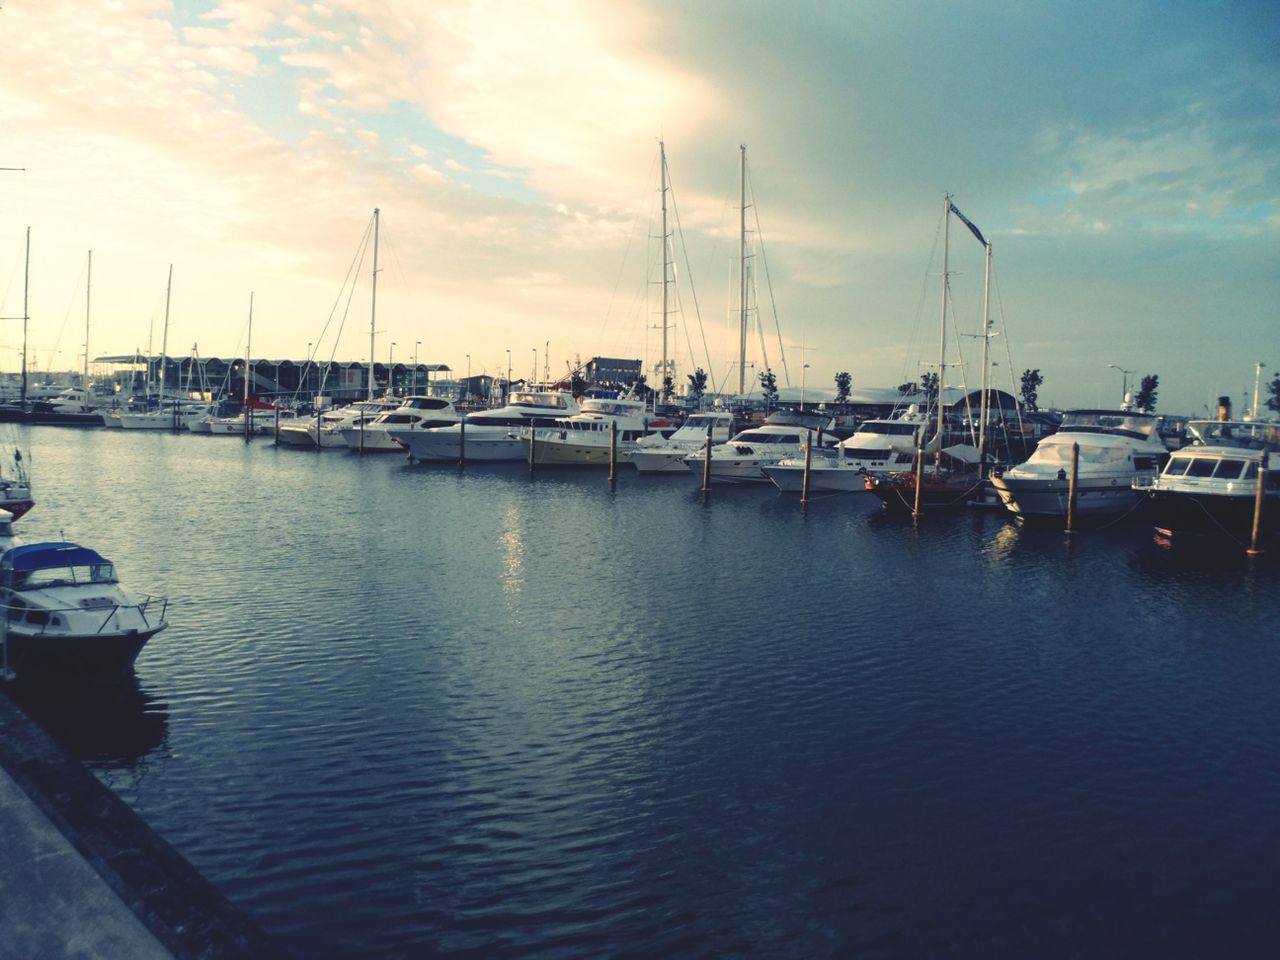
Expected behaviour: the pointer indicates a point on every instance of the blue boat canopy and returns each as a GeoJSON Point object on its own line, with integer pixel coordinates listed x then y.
{"type": "Point", "coordinates": [43, 556]}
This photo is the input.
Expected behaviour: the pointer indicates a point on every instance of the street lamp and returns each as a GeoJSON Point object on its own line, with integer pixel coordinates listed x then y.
{"type": "Point", "coordinates": [391, 362]}
{"type": "Point", "coordinates": [802, 370]}
{"type": "Point", "coordinates": [1124, 396]}
{"type": "Point", "coordinates": [416, 345]}
{"type": "Point", "coordinates": [507, 389]}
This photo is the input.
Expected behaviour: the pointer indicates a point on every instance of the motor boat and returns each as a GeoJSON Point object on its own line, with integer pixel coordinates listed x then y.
{"type": "Point", "coordinates": [1209, 489]}
{"type": "Point", "coordinates": [490, 434]}
{"type": "Point", "coordinates": [414, 413]}
{"type": "Point", "coordinates": [877, 446]}
{"type": "Point", "coordinates": [655, 453]}
{"type": "Point", "coordinates": [742, 459]}
{"type": "Point", "coordinates": [66, 612]}
{"type": "Point", "coordinates": [585, 439]}
{"type": "Point", "coordinates": [325, 429]}
{"type": "Point", "coordinates": [1116, 448]}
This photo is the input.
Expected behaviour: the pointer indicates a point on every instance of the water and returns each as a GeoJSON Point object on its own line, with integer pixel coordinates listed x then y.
{"type": "Point", "coordinates": [404, 711]}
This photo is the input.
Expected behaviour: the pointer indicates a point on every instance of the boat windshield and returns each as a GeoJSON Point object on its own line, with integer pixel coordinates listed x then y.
{"type": "Point", "coordinates": [1247, 434]}
{"type": "Point", "coordinates": [759, 436]}
{"type": "Point", "coordinates": [67, 576]}
{"type": "Point", "coordinates": [1224, 468]}
{"type": "Point", "coordinates": [549, 400]}
{"type": "Point", "coordinates": [888, 429]}
{"type": "Point", "coordinates": [1089, 453]}
{"type": "Point", "coordinates": [1137, 426]}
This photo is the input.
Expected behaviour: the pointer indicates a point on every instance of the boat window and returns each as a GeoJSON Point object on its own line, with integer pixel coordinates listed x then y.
{"type": "Point", "coordinates": [1144, 463]}
{"type": "Point", "coordinates": [1229, 469]}
{"type": "Point", "coordinates": [1201, 467]}
{"type": "Point", "coordinates": [1251, 472]}
{"type": "Point", "coordinates": [1177, 467]}
{"type": "Point", "coordinates": [865, 453]}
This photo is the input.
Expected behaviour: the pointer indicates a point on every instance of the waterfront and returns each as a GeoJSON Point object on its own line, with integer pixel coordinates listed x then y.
{"type": "Point", "coordinates": [406, 710]}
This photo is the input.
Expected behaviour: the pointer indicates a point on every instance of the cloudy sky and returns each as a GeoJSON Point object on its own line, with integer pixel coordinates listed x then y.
{"type": "Point", "coordinates": [1123, 158]}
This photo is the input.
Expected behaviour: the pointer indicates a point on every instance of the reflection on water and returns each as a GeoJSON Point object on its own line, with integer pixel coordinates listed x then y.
{"type": "Point", "coordinates": [107, 724]}
{"type": "Point", "coordinates": [410, 710]}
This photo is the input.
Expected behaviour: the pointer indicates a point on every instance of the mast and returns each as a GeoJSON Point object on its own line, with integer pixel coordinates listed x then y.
{"type": "Point", "coordinates": [942, 336]}
{"type": "Point", "coordinates": [662, 373]}
{"type": "Point", "coordinates": [248, 343]}
{"type": "Point", "coordinates": [984, 405]}
{"type": "Point", "coordinates": [26, 316]}
{"type": "Point", "coordinates": [742, 269]}
{"type": "Point", "coordinates": [164, 336]}
{"type": "Point", "coordinates": [88, 287]}
{"type": "Point", "coordinates": [373, 313]}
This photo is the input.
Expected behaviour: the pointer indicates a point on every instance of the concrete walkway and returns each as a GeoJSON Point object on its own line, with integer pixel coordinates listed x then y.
{"type": "Point", "coordinates": [52, 903]}
{"type": "Point", "coordinates": [82, 876]}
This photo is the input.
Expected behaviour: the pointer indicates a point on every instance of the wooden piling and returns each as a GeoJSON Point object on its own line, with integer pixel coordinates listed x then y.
{"type": "Point", "coordinates": [915, 510]}
{"type": "Point", "coordinates": [1259, 500]}
{"type": "Point", "coordinates": [808, 461]}
{"type": "Point", "coordinates": [1071, 488]}
{"type": "Point", "coordinates": [613, 452]}
{"type": "Point", "coordinates": [706, 463]}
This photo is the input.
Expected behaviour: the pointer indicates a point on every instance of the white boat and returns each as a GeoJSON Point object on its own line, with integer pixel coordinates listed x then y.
{"type": "Point", "coordinates": [65, 611]}
{"type": "Point", "coordinates": [877, 446]}
{"type": "Point", "coordinates": [743, 458]}
{"type": "Point", "coordinates": [171, 415]}
{"type": "Point", "coordinates": [585, 438]}
{"type": "Point", "coordinates": [490, 434]}
{"type": "Point", "coordinates": [413, 413]}
{"type": "Point", "coordinates": [656, 454]}
{"type": "Point", "coordinates": [1117, 448]}
{"type": "Point", "coordinates": [1208, 490]}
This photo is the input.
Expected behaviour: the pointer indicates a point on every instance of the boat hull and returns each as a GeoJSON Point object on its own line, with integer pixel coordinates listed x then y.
{"type": "Point", "coordinates": [94, 655]}
{"type": "Point", "coordinates": [1179, 516]}
{"type": "Point", "coordinates": [567, 453]}
{"type": "Point", "coordinates": [823, 478]}
{"type": "Point", "coordinates": [1049, 497]}
{"type": "Point", "coordinates": [443, 445]}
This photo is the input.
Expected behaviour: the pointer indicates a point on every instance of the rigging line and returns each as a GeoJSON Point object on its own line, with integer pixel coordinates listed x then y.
{"type": "Point", "coordinates": [693, 290]}
{"type": "Point", "coordinates": [357, 261]}
{"type": "Point", "coordinates": [61, 329]}
{"type": "Point", "coordinates": [1013, 389]}
{"type": "Point", "coordinates": [768, 281]}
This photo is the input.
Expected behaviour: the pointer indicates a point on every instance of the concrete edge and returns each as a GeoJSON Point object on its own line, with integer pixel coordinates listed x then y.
{"type": "Point", "coordinates": [183, 910]}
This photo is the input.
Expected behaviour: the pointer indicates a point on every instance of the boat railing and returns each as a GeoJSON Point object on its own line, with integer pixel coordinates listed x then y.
{"type": "Point", "coordinates": [11, 612]}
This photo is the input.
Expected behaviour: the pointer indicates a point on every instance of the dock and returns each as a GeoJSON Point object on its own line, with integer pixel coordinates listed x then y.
{"type": "Point", "coordinates": [84, 876]}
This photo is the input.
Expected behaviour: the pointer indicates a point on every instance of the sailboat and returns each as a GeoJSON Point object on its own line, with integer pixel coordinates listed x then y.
{"type": "Point", "coordinates": [951, 482]}
{"type": "Point", "coordinates": [176, 414]}
{"type": "Point", "coordinates": [15, 482]}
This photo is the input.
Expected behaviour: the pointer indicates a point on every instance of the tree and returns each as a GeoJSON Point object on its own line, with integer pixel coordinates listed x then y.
{"type": "Point", "coordinates": [769, 386]}
{"type": "Point", "coordinates": [1031, 381]}
{"type": "Point", "coordinates": [929, 387]}
{"type": "Point", "coordinates": [697, 385]}
{"type": "Point", "coordinates": [641, 388]}
{"type": "Point", "coordinates": [908, 388]}
{"type": "Point", "coordinates": [1273, 402]}
{"type": "Point", "coordinates": [1146, 398]}
{"type": "Point", "coordinates": [668, 388]}
{"type": "Point", "coordinates": [843, 383]}
{"type": "Point", "coordinates": [577, 385]}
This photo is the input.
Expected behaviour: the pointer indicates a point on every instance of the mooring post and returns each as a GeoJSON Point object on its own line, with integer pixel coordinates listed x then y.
{"type": "Point", "coordinates": [613, 452]}
{"type": "Point", "coordinates": [462, 441]}
{"type": "Point", "coordinates": [1259, 500]}
{"type": "Point", "coordinates": [808, 460]}
{"type": "Point", "coordinates": [1071, 488]}
{"type": "Point", "coordinates": [706, 463]}
{"type": "Point", "coordinates": [915, 510]}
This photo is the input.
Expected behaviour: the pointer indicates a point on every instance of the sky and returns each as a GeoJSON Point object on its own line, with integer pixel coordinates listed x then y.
{"type": "Point", "coordinates": [1122, 158]}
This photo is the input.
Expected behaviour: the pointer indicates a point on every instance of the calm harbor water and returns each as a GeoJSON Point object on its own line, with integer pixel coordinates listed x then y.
{"type": "Point", "coordinates": [408, 711]}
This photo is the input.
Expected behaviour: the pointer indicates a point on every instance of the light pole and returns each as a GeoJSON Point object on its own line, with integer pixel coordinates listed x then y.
{"type": "Point", "coordinates": [307, 368]}
{"type": "Point", "coordinates": [391, 362]}
{"type": "Point", "coordinates": [416, 345]}
{"type": "Point", "coordinates": [534, 378]}
{"type": "Point", "coordinates": [1124, 395]}
{"type": "Point", "coordinates": [1257, 386]}
{"type": "Point", "coordinates": [802, 370]}
{"type": "Point", "coordinates": [506, 391]}
{"type": "Point", "coordinates": [468, 385]}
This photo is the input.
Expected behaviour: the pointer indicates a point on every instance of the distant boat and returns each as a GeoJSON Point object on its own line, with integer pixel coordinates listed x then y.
{"type": "Point", "coordinates": [657, 454]}
{"type": "Point", "coordinates": [743, 458]}
{"type": "Point", "coordinates": [877, 446]}
{"type": "Point", "coordinates": [413, 413]}
{"type": "Point", "coordinates": [489, 434]}
{"type": "Point", "coordinates": [65, 612]}
{"type": "Point", "coordinates": [587, 437]}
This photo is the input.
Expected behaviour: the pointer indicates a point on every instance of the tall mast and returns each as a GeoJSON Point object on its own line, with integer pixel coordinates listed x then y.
{"type": "Point", "coordinates": [742, 270]}
{"type": "Point", "coordinates": [942, 337]}
{"type": "Point", "coordinates": [88, 287]}
{"type": "Point", "coordinates": [373, 315]}
{"type": "Point", "coordinates": [985, 405]}
{"type": "Point", "coordinates": [164, 336]}
{"type": "Point", "coordinates": [248, 345]}
{"type": "Point", "coordinates": [666, 274]}
{"type": "Point", "coordinates": [26, 284]}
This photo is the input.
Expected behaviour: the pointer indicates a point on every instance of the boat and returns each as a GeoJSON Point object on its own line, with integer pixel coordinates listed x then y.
{"type": "Point", "coordinates": [489, 434]}
{"type": "Point", "coordinates": [1116, 449]}
{"type": "Point", "coordinates": [15, 486]}
{"type": "Point", "coordinates": [1208, 490]}
{"type": "Point", "coordinates": [743, 458]}
{"type": "Point", "coordinates": [413, 413]}
{"type": "Point", "coordinates": [65, 611]}
{"type": "Point", "coordinates": [876, 446]}
{"type": "Point", "coordinates": [587, 437]}
{"type": "Point", "coordinates": [655, 453]}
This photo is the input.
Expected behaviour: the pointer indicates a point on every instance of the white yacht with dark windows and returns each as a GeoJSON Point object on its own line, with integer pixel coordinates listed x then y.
{"type": "Point", "coordinates": [658, 454]}
{"type": "Point", "coordinates": [587, 437]}
{"type": "Point", "coordinates": [1209, 489]}
{"type": "Point", "coordinates": [489, 434]}
{"type": "Point", "coordinates": [414, 413]}
{"type": "Point", "coordinates": [1116, 448]}
{"type": "Point", "coordinates": [877, 446]}
{"type": "Point", "coordinates": [742, 459]}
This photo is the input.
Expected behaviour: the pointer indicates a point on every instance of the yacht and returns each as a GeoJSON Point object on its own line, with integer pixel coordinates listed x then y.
{"type": "Point", "coordinates": [877, 446]}
{"type": "Point", "coordinates": [743, 458]}
{"type": "Point", "coordinates": [1117, 448]}
{"type": "Point", "coordinates": [170, 415]}
{"type": "Point", "coordinates": [1208, 490]}
{"type": "Point", "coordinates": [325, 429]}
{"type": "Point", "coordinates": [657, 454]}
{"type": "Point", "coordinates": [585, 438]}
{"type": "Point", "coordinates": [489, 434]}
{"type": "Point", "coordinates": [414, 413]}
{"type": "Point", "coordinates": [67, 613]}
